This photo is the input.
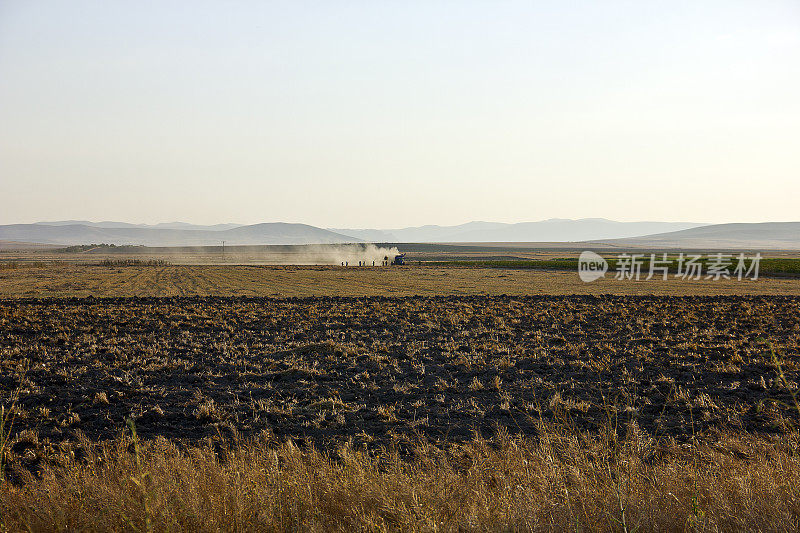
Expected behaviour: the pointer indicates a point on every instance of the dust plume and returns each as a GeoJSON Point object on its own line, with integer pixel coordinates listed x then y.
{"type": "Point", "coordinates": [308, 254]}
{"type": "Point", "coordinates": [336, 254]}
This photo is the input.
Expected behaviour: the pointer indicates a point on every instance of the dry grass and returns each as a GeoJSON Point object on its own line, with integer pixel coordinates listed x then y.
{"type": "Point", "coordinates": [561, 480]}
{"type": "Point", "coordinates": [13, 265]}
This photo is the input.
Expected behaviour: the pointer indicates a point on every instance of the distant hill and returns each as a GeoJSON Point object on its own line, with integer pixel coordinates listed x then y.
{"type": "Point", "coordinates": [267, 233]}
{"type": "Point", "coordinates": [8, 246]}
{"type": "Point", "coordinates": [764, 235]}
{"type": "Point", "coordinates": [162, 225]}
{"type": "Point", "coordinates": [552, 230]}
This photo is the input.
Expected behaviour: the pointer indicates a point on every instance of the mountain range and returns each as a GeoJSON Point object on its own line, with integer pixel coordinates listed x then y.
{"type": "Point", "coordinates": [551, 230]}
{"type": "Point", "coordinates": [775, 235]}
{"type": "Point", "coordinates": [608, 232]}
{"type": "Point", "coordinates": [162, 225]}
{"type": "Point", "coordinates": [188, 235]}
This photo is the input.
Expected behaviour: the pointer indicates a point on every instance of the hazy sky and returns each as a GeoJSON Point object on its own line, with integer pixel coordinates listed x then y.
{"type": "Point", "coordinates": [397, 113]}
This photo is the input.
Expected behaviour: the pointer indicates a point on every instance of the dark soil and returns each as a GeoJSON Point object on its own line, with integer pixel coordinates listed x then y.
{"type": "Point", "coordinates": [377, 370]}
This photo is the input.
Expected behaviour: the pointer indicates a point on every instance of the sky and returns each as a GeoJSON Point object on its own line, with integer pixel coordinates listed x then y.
{"type": "Point", "coordinates": [389, 114]}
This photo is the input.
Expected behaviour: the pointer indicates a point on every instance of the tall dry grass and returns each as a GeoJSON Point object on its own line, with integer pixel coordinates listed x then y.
{"type": "Point", "coordinates": [562, 480]}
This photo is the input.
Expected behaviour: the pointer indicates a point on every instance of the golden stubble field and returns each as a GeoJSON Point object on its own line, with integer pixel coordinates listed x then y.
{"type": "Point", "coordinates": [45, 280]}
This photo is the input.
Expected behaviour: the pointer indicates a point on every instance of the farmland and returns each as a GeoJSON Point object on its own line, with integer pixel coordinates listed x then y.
{"type": "Point", "coordinates": [285, 391]}
{"type": "Point", "coordinates": [323, 370]}
{"type": "Point", "coordinates": [62, 280]}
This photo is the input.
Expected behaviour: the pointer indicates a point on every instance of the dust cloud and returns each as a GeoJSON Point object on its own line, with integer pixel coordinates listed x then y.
{"type": "Point", "coordinates": [313, 254]}
{"type": "Point", "coordinates": [342, 253]}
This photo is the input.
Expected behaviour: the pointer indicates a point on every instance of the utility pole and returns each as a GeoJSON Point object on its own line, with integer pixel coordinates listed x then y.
{"type": "Point", "coordinates": [223, 250]}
